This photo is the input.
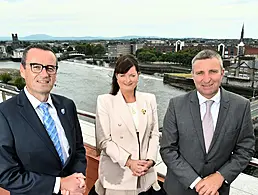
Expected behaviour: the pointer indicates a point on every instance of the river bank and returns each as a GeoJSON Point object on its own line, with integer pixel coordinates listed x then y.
{"type": "Point", "coordinates": [11, 71]}
{"type": "Point", "coordinates": [146, 68]}
{"type": "Point", "coordinates": [10, 78]}
{"type": "Point", "coordinates": [186, 83]}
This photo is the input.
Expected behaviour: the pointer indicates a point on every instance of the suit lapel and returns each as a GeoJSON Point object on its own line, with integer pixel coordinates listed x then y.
{"type": "Point", "coordinates": [30, 115]}
{"type": "Point", "coordinates": [124, 112]}
{"type": "Point", "coordinates": [223, 110]}
{"type": "Point", "coordinates": [142, 114]}
{"type": "Point", "coordinates": [196, 117]}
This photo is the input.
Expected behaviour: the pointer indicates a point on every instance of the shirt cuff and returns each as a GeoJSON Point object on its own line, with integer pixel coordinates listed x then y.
{"type": "Point", "coordinates": [152, 161]}
{"type": "Point", "coordinates": [57, 185]}
{"type": "Point", "coordinates": [195, 182]}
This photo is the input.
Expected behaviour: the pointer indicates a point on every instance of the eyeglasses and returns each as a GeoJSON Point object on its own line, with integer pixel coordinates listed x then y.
{"type": "Point", "coordinates": [37, 68]}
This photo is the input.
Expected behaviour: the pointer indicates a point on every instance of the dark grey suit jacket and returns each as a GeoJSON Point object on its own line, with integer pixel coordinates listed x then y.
{"type": "Point", "coordinates": [29, 163]}
{"type": "Point", "coordinates": [182, 144]}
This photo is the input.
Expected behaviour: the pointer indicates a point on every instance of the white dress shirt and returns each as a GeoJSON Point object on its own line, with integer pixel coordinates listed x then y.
{"type": "Point", "coordinates": [214, 113]}
{"type": "Point", "coordinates": [60, 130]}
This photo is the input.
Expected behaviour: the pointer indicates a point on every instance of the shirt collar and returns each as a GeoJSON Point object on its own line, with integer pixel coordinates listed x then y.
{"type": "Point", "coordinates": [34, 101]}
{"type": "Point", "coordinates": [215, 98]}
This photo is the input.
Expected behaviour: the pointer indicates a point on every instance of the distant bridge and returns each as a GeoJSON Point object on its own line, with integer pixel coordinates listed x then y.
{"type": "Point", "coordinates": [76, 54]}
{"type": "Point", "coordinates": [69, 55]}
{"type": "Point", "coordinates": [89, 58]}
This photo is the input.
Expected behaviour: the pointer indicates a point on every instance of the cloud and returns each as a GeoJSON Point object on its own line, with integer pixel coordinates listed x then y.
{"type": "Point", "coordinates": [170, 18]}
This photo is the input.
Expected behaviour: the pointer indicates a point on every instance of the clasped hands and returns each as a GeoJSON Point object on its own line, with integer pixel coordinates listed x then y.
{"type": "Point", "coordinates": [73, 184]}
{"type": "Point", "coordinates": [210, 184]}
{"type": "Point", "coordinates": [139, 167]}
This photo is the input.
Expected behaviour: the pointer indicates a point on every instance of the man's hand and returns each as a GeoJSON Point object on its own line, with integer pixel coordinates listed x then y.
{"type": "Point", "coordinates": [138, 167]}
{"type": "Point", "coordinates": [73, 184]}
{"type": "Point", "coordinates": [65, 192]}
{"type": "Point", "coordinates": [149, 163]}
{"type": "Point", "coordinates": [210, 184]}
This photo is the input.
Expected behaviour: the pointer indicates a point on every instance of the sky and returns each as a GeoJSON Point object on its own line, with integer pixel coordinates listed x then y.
{"type": "Point", "coordinates": [112, 18]}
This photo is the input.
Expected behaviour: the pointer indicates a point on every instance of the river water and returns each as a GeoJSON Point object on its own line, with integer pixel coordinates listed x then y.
{"type": "Point", "coordinates": [83, 83]}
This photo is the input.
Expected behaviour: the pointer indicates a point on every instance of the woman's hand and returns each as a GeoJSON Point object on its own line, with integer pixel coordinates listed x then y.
{"type": "Point", "coordinates": [148, 165]}
{"type": "Point", "coordinates": [138, 167]}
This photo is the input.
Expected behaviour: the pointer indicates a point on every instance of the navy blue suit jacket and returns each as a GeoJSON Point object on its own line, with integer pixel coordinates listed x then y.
{"type": "Point", "coordinates": [29, 163]}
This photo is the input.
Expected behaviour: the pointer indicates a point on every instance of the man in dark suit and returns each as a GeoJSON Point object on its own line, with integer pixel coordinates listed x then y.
{"type": "Point", "coordinates": [207, 137]}
{"type": "Point", "coordinates": [41, 145]}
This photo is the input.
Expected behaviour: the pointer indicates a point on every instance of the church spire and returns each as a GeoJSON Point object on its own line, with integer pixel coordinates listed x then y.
{"type": "Point", "coordinates": [242, 34]}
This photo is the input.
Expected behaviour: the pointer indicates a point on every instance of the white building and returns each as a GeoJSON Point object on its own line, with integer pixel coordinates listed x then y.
{"type": "Point", "coordinates": [115, 51]}
{"type": "Point", "coordinates": [17, 53]}
{"type": "Point", "coordinates": [3, 51]}
{"type": "Point", "coordinates": [156, 42]}
{"type": "Point", "coordinates": [136, 47]}
{"type": "Point", "coordinates": [112, 51]}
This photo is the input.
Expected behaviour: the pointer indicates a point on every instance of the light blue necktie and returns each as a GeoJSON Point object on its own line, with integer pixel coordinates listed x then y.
{"type": "Point", "coordinates": [50, 126]}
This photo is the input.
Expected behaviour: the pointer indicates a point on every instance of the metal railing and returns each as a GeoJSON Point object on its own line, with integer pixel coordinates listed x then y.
{"type": "Point", "coordinates": [86, 114]}
{"type": "Point", "coordinates": [8, 92]}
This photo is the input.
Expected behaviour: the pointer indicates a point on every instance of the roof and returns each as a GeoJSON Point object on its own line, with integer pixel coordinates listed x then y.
{"type": "Point", "coordinates": [246, 63]}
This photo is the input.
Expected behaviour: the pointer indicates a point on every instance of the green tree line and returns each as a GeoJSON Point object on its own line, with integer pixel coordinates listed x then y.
{"type": "Point", "coordinates": [183, 57]}
{"type": "Point", "coordinates": [90, 49]}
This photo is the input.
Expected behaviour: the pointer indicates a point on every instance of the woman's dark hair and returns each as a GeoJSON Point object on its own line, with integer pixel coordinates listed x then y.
{"type": "Point", "coordinates": [123, 64]}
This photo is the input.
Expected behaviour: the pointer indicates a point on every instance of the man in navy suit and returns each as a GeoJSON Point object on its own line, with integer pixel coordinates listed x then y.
{"type": "Point", "coordinates": [35, 159]}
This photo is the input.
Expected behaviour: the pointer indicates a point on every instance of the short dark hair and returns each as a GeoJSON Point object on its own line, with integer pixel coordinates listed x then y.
{"type": "Point", "coordinates": [35, 46]}
{"type": "Point", "coordinates": [207, 54]}
{"type": "Point", "coordinates": [123, 64]}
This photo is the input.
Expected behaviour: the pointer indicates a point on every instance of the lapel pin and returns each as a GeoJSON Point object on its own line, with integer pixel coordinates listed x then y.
{"type": "Point", "coordinates": [63, 111]}
{"type": "Point", "coordinates": [143, 111]}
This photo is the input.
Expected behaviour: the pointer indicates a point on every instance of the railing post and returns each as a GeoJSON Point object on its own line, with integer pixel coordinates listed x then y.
{"type": "Point", "coordinates": [3, 96]}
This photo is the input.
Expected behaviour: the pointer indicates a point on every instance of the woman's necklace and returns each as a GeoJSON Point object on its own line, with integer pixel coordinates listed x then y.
{"type": "Point", "coordinates": [133, 110]}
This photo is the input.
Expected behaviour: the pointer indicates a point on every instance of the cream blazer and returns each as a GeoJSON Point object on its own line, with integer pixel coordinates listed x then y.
{"type": "Point", "coordinates": [117, 140]}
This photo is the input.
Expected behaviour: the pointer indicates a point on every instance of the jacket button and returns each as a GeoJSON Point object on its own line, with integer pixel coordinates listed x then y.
{"type": "Point", "coordinates": [206, 162]}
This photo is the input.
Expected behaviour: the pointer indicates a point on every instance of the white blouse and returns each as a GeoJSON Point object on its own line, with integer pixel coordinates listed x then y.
{"type": "Point", "coordinates": [135, 114]}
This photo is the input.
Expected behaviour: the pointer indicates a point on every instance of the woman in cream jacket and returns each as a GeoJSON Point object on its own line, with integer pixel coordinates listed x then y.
{"type": "Point", "coordinates": [127, 134]}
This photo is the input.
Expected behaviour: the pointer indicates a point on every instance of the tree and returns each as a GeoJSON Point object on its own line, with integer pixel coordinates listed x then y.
{"type": "Point", "coordinates": [5, 77]}
{"type": "Point", "coordinates": [147, 56]}
{"type": "Point", "coordinates": [98, 49]}
{"type": "Point", "coordinates": [139, 51]}
{"type": "Point", "coordinates": [80, 48]}
{"type": "Point", "coordinates": [183, 57]}
{"type": "Point", "coordinates": [9, 49]}
{"type": "Point", "coordinates": [69, 48]}
{"type": "Point", "coordinates": [19, 83]}
{"type": "Point", "coordinates": [55, 50]}
{"type": "Point", "coordinates": [88, 49]}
